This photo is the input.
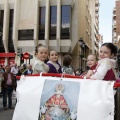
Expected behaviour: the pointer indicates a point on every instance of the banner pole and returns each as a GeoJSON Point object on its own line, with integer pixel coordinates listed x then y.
{"type": "Point", "coordinates": [117, 105]}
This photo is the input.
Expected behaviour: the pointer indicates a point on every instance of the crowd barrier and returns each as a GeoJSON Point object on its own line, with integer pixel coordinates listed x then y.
{"type": "Point", "coordinates": [116, 86]}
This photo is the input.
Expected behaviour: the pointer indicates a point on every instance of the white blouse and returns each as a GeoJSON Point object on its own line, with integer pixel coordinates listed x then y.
{"type": "Point", "coordinates": [40, 66]}
{"type": "Point", "coordinates": [102, 68]}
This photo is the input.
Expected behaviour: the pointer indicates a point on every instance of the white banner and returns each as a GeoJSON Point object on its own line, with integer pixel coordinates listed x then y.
{"type": "Point", "coordinates": [51, 98]}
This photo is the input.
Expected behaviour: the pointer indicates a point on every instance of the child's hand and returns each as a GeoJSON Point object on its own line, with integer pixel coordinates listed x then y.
{"type": "Point", "coordinates": [89, 73]}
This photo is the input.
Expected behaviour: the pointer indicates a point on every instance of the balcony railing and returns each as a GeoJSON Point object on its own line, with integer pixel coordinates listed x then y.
{"type": "Point", "coordinates": [114, 16]}
{"type": "Point", "coordinates": [96, 8]}
{"type": "Point", "coordinates": [96, 2]}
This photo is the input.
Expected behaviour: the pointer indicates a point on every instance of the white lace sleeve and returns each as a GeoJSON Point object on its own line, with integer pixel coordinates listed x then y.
{"type": "Point", "coordinates": [102, 70]}
{"type": "Point", "coordinates": [40, 68]}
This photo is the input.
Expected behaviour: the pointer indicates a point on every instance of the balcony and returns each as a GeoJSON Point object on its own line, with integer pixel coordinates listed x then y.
{"type": "Point", "coordinates": [114, 27]}
{"type": "Point", "coordinates": [96, 27]}
{"type": "Point", "coordinates": [96, 8]}
{"type": "Point", "coordinates": [114, 16]}
{"type": "Point", "coordinates": [96, 2]}
{"type": "Point", "coordinates": [97, 15]}
{"type": "Point", "coordinates": [114, 11]}
{"type": "Point", "coordinates": [97, 21]}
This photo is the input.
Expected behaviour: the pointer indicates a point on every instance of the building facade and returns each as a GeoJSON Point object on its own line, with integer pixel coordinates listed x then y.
{"type": "Point", "coordinates": [116, 24]}
{"type": "Point", "coordinates": [94, 8]}
{"type": "Point", "coordinates": [63, 25]}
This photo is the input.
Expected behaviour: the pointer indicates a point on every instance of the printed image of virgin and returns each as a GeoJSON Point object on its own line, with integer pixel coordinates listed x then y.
{"type": "Point", "coordinates": [59, 100]}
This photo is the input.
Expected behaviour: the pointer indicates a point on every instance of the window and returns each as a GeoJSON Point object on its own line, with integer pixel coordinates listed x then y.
{"type": "Point", "coordinates": [10, 41]}
{"type": "Point", "coordinates": [25, 34]}
{"type": "Point", "coordinates": [53, 21]}
{"type": "Point", "coordinates": [65, 21]}
{"type": "Point", "coordinates": [1, 30]}
{"type": "Point", "coordinates": [41, 23]}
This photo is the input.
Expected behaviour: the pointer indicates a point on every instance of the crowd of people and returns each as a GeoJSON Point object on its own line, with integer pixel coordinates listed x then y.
{"type": "Point", "coordinates": [8, 81]}
{"type": "Point", "coordinates": [101, 67]}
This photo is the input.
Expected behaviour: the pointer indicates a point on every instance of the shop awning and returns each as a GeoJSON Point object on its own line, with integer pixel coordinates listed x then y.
{"type": "Point", "coordinates": [7, 54]}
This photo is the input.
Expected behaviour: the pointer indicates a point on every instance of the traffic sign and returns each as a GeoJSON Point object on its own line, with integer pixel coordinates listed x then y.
{"type": "Point", "coordinates": [26, 55]}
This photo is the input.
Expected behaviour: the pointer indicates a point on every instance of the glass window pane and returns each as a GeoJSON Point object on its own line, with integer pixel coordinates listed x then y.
{"type": "Point", "coordinates": [1, 30]}
{"type": "Point", "coordinates": [25, 34]}
{"type": "Point", "coordinates": [53, 21]}
{"type": "Point", "coordinates": [41, 23]}
{"type": "Point", "coordinates": [10, 33]}
{"type": "Point", "coordinates": [65, 21]}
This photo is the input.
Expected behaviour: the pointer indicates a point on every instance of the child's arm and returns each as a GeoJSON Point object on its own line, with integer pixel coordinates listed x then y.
{"type": "Point", "coordinates": [89, 73]}
{"type": "Point", "coordinates": [102, 70]}
{"type": "Point", "coordinates": [41, 68]}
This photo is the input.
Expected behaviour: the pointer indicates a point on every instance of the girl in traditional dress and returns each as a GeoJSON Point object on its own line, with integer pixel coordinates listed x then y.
{"type": "Point", "coordinates": [92, 61]}
{"type": "Point", "coordinates": [105, 69]}
{"type": "Point", "coordinates": [54, 66]}
{"type": "Point", "coordinates": [41, 53]}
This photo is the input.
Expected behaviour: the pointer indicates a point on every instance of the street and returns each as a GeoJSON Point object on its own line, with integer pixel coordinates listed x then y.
{"type": "Point", "coordinates": [6, 114]}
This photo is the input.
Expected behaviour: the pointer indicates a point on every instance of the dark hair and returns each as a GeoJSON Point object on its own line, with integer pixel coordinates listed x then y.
{"type": "Point", "coordinates": [67, 59]}
{"type": "Point", "coordinates": [111, 46]}
{"type": "Point", "coordinates": [38, 46]}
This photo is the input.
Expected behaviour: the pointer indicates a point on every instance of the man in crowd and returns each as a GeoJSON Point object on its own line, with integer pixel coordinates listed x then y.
{"type": "Point", "coordinates": [14, 69]}
{"type": "Point", "coordinates": [29, 70]}
{"type": "Point", "coordinates": [1, 78]}
{"type": "Point", "coordinates": [8, 84]}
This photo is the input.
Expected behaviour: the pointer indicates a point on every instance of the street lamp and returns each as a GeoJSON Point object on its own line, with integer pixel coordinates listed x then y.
{"type": "Point", "coordinates": [81, 55]}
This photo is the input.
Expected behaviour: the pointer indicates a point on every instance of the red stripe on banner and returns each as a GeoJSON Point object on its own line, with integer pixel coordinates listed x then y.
{"type": "Point", "coordinates": [116, 85]}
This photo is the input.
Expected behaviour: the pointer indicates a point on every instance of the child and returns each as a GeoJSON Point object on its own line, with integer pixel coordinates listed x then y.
{"type": "Point", "coordinates": [67, 60]}
{"type": "Point", "coordinates": [41, 53]}
{"type": "Point", "coordinates": [105, 69]}
{"type": "Point", "coordinates": [54, 66]}
{"type": "Point", "coordinates": [91, 63]}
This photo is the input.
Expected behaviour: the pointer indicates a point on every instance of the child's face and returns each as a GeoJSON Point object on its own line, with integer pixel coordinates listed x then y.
{"type": "Point", "coordinates": [53, 56]}
{"type": "Point", "coordinates": [105, 52]}
{"type": "Point", "coordinates": [42, 53]}
{"type": "Point", "coordinates": [91, 61]}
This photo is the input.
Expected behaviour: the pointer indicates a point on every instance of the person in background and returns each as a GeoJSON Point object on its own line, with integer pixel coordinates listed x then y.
{"type": "Point", "coordinates": [54, 66]}
{"type": "Point", "coordinates": [8, 84]}
{"type": "Point", "coordinates": [24, 68]}
{"type": "Point", "coordinates": [105, 69]}
{"type": "Point", "coordinates": [14, 69]}
{"type": "Point", "coordinates": [3, 68]}
{"type": "Point", "coordinates": [29, 70]}
{"type": "Point", "coordinates": [67, 61]}
{"type": "Point", "coordinates": [1, 78]}
{"type": "Point", "coordinates": [41, 53]}
{"type": "Point", "coordinates": [20, 71]}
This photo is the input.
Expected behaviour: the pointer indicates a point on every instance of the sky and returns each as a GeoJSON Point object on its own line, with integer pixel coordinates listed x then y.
{"type": "Point", "coordinates": [105, 19]}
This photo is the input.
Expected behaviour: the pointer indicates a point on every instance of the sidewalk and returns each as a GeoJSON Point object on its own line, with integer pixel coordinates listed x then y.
{"type": "Point", "coordinates": [6, 114]}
